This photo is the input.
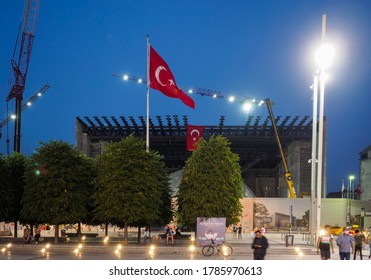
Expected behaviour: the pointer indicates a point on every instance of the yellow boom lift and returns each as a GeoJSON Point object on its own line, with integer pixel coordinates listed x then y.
{"type": "Point", "coordinates": [288, 175]}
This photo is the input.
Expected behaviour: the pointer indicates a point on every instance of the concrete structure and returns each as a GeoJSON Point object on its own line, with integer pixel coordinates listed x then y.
{"type": "Point", "coordinates": [365, 173]}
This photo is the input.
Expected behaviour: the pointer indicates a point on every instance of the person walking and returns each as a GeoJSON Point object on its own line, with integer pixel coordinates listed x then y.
{"type": "Point", "coordinates": [260, 246]}
{"type": "Point", "coordinates": [359, 240]}
{"type": "Point", "coordinates": [234, 230]}
{"type": "Point", "coordinates": [368, 241]}
{"type": "Point", "coordinates": [239, 230]}
{"type": "Point", "coordinates": [325, 243]}
{"type": "Point", "coordinates": [346, 244]}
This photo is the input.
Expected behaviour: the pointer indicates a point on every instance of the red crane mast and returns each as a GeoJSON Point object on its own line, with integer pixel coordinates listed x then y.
{"type": "Point", "coordinates": [20, 67]}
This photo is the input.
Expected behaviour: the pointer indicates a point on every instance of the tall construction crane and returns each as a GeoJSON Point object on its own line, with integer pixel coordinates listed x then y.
{"type": "Point", "coordinates": [20, 67]}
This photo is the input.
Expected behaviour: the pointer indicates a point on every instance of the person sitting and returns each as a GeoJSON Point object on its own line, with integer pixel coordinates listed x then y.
{"type": "Point", "coordinates": [27, 235]}
{"type": "Point", "coordinates": [37, 234]}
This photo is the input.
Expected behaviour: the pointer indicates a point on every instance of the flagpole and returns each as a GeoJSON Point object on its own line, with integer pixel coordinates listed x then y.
{"type": "Point", "coordinates": [147, 95]}
{"type": "Point", "coordinates": [342, 189]}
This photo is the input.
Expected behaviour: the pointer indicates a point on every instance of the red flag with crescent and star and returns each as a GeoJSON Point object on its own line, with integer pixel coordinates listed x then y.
{"type": "Point", "coordinates": [194, 132]}
{"type": "Point", "coordinates": [359, 191]}
{"type": "Point", "coordinates": [161, 78]}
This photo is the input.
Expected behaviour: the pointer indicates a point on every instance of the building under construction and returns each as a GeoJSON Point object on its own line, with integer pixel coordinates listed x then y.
{"type": "Point", "coordinates": [254, 142]}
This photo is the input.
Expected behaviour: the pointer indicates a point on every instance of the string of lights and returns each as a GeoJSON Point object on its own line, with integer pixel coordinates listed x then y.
{"type": "Point", "coordinates": [26, 104]}
{"type": "Point", "coordinates": [246, 102]}
{"type": "Point", "coordinates": [194, 90]}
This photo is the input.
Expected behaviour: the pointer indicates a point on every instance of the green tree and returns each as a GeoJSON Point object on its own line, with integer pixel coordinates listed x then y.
{"type": "Point", "coordinates": [14, 185]}
{"type": "Point", "coordinates": [211, 185]}
{"type": "Point", "coordinates": [59, 185]}
{"type": "Point", "coordinates": [3, 189]}
{"type": "Point", "coordinates": [131, 185]}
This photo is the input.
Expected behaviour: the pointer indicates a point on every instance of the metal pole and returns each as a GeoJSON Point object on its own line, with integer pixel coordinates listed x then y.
{"type": "Point", "coordinates": [320, 133]}
{"type": "Point", "coordinates": [17, 126]}
{"type": "Point", "coordinates": [314, 161]}
{"type": "Point", "coordinates": [320, 149]}
{"type": "Point", "coordinates": [147, 97]}
{"type": "Point", "coordinates": [362, 218]}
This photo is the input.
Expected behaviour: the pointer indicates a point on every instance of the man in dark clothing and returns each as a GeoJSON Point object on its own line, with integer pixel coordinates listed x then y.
{"type": "Point", "coordinates": [359, 239]}
{"type": "Point", "coordinates": [260, 245]}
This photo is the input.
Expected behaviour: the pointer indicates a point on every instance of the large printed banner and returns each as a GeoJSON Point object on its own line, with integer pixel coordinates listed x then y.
{"type": "Point", "coordinates": [210, 229]}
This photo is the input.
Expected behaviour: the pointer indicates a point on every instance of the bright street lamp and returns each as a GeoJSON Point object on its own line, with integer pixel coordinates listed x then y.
{"type": "Point", "coordinates": [246, 106]}
{"type": "Point", "coordinates": [324, 57]}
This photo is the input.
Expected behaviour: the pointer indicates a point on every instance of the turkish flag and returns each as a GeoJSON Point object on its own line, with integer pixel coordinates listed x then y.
{"type": "Point", "coordinates": [194, 132]}
{"type": "Point", "coordinates": [162, 79]}
{"type": "Point", "coordinates": [359, 191]}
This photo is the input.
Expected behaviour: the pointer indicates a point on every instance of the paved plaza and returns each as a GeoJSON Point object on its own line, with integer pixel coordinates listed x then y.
{"type": "Point", "coordinates": [300, 250]}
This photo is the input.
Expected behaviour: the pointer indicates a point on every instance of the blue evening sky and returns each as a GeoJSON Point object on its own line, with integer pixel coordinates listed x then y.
{"type": "Point", "coordinates": [248, 48]}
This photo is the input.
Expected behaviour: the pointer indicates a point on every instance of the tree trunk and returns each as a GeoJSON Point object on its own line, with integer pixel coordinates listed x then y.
{"type": "Point", "coordinates": [79, 231]}
{"type": "Point", "coordinates": [139, 234]}
{"type": "Point", "coordinates": [106, 230]}
{"type": "Point", "coordinates": [15, 228]}
{"type": "Point", "coordinates": [56, 234]}
{"type": "Point", "coordinates": [126, 234]}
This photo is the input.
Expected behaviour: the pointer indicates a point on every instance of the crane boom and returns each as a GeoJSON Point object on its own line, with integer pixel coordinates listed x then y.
{"type": "Point", "coordinates": [20, 69]}
{"type": "Point", "coordinates": [288, 175]}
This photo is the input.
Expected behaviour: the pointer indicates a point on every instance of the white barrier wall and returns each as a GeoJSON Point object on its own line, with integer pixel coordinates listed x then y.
{"type": "Point", "coordinates": [276, 212]}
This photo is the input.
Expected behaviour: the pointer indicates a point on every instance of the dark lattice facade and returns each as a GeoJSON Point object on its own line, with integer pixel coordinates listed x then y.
{"type": "Point", "coordinates": [254, 142]}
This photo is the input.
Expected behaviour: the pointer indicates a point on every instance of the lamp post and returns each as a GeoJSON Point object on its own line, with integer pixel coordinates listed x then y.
{"type": "Point", "coordinates": [351, 191]}
{"type": "Point", "coordinates": [349, 197]}
{"type": "Point", "coordinates": [362, 218]}
{"type": "Point", "coordinates": [324, 57]}
{"type": "Point", "coordinates": [313, 160]}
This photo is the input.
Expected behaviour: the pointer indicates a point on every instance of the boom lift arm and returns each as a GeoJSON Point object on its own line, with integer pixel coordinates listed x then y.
{"type": "Point", "coordinates": [288, 175]}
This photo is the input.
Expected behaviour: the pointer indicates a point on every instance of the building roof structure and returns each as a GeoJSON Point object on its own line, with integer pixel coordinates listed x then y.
{"type": "Point", "coordinates": [254, 142]}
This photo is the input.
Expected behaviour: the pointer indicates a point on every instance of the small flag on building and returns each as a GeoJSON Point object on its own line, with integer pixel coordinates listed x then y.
{"type": "Point", "coordinates": [194, 132]}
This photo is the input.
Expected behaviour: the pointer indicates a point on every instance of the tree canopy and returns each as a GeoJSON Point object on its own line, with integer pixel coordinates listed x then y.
{"type": "Point", "coordinates": [13, 186]}
{"type": "Point", "coordinates": [59, 184]}
{"type": "Point", "coordinates": [132, 186]}
{"type": "Point", "coordinates": [3, 189]}
{"type": "Point", "coordinates": [211, 185]}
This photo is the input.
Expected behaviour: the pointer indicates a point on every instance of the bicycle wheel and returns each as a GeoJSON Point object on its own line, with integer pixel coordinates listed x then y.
{"type": "Point", "coordinates": [226, 250]}
{"type": "Point", "coordinates": [207, 250]}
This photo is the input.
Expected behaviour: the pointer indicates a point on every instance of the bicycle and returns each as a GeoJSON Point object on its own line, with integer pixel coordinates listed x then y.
{"type": "Point", "coordinates": [223, 248]}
